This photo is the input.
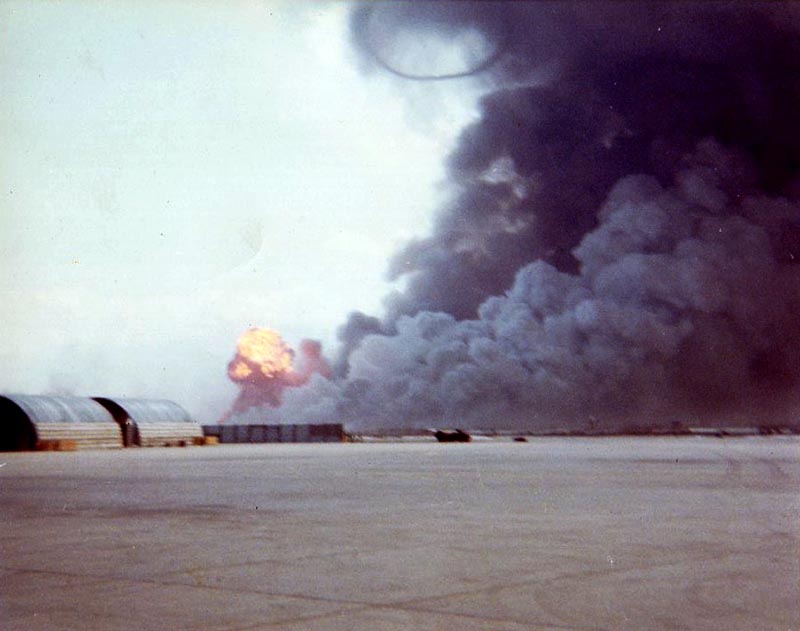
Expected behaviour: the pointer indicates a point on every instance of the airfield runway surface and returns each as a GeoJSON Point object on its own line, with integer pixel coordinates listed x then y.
{"type": "Point", "coordinates": [604, 533]}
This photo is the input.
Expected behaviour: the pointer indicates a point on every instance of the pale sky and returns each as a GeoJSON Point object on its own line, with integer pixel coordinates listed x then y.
{"type": "Point", "coordinates": [172, 173]}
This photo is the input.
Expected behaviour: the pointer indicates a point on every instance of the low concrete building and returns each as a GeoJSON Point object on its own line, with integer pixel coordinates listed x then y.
{"type": "Point", "coordinates": [45, 422]}
{"type": "Point", "coordinates": [321, 433]}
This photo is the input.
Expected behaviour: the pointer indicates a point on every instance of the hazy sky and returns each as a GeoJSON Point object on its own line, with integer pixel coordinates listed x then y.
{"type": "Point", "coordinates": [173, 173]}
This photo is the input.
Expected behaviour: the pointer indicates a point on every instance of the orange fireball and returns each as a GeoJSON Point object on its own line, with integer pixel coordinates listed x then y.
{"type": "Point", "coordinates": [260, 354]}
{"type": "Point", "coordinates": [263, 369]}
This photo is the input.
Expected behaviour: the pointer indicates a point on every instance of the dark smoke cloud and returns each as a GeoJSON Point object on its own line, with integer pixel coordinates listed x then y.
{"type": "Point", "coordinates": [622, 239]}
{"type": "Point", "coordinates": [350, 334]}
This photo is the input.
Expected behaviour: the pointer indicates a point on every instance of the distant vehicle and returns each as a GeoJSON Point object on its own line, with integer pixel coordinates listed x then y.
{"type": "Point", "coordinates": [452, 436]}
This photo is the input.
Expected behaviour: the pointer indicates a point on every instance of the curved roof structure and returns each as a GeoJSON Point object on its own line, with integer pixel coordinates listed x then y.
{"type": "Point", "coordinates": [152, 422]}
{"type": "Point", "coordinates": [150, 410]}
{"type": "Point", "coordinates": [47, 409]}
{"type": "Point", "coordinates": [55, 422]}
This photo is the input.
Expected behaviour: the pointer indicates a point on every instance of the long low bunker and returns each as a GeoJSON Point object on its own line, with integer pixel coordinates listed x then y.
{"type": "Point", "coordinates": [290, 433]}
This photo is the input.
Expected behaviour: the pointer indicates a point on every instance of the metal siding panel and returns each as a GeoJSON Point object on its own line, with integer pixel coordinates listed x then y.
{"type": "Point", "coordinates": [95, 435]}
{"type": "Point", "coordinates": [228, 434]}
{"type": "Point", "coordinates": [328, 432]}
{"type": "Point", "coordinates": [168, 434]}
{"type": "Point", "coordinates": [211, 430]}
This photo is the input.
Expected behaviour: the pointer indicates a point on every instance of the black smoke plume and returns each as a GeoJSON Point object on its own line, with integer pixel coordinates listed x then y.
{"type": "Point", "coordinates": [621, 243]}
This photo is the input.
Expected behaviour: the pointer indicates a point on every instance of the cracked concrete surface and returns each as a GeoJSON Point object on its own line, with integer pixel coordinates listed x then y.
{"type": "Point", "coordinates": [553, 534]}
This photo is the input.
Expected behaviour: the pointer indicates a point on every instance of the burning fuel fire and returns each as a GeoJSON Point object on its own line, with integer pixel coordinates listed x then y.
{"type": "Point", "coordinates": [264, 367]}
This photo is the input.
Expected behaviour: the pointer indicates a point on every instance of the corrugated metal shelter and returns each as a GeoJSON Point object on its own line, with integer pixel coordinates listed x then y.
{"type": "Point", "coordinates": [36, 421]}
{"type": "Point", "coordinates": [319, 433]}
{"type": "Point", "coordinates": [152, 422]}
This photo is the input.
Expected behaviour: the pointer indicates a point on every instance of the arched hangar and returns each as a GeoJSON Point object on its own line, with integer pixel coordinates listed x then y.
{"type": "Point", "coordinates": [40, 422]}
{"type": "Point", "coordinates": [152, 422]}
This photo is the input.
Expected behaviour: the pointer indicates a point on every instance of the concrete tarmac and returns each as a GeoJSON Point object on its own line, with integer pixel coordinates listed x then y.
{"type": "Point", "coordinates": [554, 534]}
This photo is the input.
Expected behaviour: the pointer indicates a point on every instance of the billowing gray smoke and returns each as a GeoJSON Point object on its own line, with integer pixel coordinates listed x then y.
{"type": "Point", "coordinates": [622, 240]}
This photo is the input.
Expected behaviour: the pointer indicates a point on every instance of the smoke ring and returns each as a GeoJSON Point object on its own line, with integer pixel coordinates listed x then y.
{"type": "Point", "coordinates": [489, 61]}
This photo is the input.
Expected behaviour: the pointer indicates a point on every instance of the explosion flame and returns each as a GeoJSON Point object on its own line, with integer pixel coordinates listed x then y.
{"type": "Point", "coordinates": [263, 367]}
{"type": "Point", "coordinates": [260, 354]}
